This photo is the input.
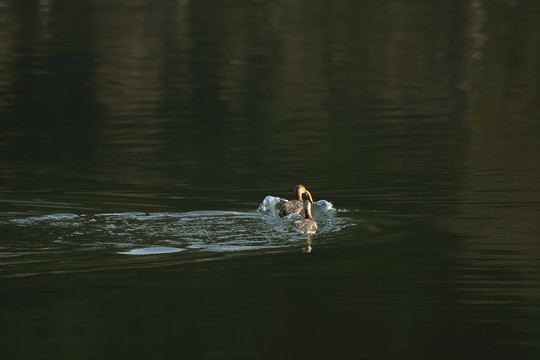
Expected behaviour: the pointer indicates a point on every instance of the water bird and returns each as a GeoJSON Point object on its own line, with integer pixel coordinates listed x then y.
{"type": "Point", "coordinates": [296, 206]}
{"type": "Point", "coordinates": [307, 225]}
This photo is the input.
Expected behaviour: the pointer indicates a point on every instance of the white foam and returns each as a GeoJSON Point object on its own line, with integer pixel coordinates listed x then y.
{"type": "Point", "coordinates": [270, 204]}
{"type": "Point", "coordinates": [152, 250]}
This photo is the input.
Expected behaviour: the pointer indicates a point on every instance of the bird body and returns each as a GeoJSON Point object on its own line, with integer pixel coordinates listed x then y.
{"type": "Point", "coordinates": [307, 225]}
{"type": "Point", "coordinates": [296, 206]}
{"type": "Point", "coordinates": [292, 207]}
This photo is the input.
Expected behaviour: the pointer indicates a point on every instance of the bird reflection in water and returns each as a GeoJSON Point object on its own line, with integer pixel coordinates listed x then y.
{"type": "Point", "coordinates": [307, 246]}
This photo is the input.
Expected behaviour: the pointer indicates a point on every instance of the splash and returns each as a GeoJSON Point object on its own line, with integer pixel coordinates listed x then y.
{"type": "Point", "coordinates": [323, 212]}
{"type": "Point", "coordinates": [271, 205]}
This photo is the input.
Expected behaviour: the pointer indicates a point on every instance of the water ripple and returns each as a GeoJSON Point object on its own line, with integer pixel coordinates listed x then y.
{"type": "Point", "coordinates": [160, 233]}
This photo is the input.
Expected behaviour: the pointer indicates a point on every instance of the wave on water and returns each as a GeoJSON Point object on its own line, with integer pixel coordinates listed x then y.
{"type": "Point", "coordinates": [140, 233]}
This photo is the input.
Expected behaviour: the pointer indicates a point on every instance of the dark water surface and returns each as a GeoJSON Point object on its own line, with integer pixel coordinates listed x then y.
{"type": "Point", "coordinates": [145, 146]}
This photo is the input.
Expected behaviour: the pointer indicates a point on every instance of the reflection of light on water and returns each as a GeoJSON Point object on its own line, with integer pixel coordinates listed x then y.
{"type": "Point", "coordinates": [153, 250]}
{"type": "Point", "coordinates": [138, 233]}
{"type": "Point", "coordinates": [477, 29]}
{"type": "Point", "coordinates": [307, 247]}
{"type": "Point", "coordinates": [478, 39]}
{"type": "Point", "coordinates": [102, 241]}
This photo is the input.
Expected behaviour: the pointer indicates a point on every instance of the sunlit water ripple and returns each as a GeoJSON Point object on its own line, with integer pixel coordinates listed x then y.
{"type": "Point", "coordinates": [198, 233]}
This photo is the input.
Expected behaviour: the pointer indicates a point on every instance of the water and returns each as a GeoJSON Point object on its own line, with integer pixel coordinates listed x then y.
{"type": "Point", "coordinates": [145, 147]}
{"type": "Point", "coordinates": [48, 238]}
